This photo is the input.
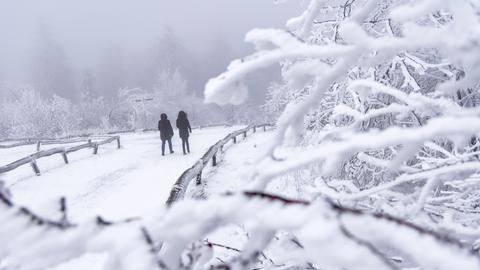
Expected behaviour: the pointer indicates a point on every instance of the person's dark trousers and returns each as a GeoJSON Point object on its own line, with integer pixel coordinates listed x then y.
{"type": "Point", "coordinates": [186, 145]}
{"type": "Point", "coordinates": [169, 146]}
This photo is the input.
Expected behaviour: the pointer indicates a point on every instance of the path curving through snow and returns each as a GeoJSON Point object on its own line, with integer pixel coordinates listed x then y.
{"type": "Point", "coordinates": [116, 183]}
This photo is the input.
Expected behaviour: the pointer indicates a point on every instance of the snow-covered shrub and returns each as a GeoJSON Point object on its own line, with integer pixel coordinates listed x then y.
{"type": "Point", "coordinates": [28, 115]}
{"type": "Point", "coordinates": [92, 112]}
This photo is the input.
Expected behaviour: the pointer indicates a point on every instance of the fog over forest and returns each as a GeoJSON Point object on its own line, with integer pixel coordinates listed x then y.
{"type": "Point", "coordinates": [126, 43]}
{"type": "Point", "coordinates": [116, 65]}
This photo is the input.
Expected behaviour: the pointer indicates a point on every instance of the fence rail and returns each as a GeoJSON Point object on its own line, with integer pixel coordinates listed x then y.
{"type": "Point", "coordinates": [81, 137]}
{"type": "Point", "coordinates": [195, 172]}
{"type": "Point", "coordinates": [63, 151]}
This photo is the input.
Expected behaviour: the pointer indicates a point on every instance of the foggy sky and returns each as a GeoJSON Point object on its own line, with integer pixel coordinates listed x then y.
{"type": "Point", "coordinates": [87, 28]}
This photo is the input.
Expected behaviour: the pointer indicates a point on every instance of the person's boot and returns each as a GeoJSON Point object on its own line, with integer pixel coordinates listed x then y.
{"type": "Point", "coordinates": [171, 152]}
{"type": "Point", "coordinates": [163, 154]}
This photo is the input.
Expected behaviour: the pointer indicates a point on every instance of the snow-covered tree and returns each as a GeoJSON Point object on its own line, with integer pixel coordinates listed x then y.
{"type": "Point", "coordinates": [92, 112]}
{"type": "Point", "coordinates": [359, 70]}
{"type": "Point", "coordinates": [379, 92]}
{"type": "Point", "coordinates": [51, 72]}
{"type": "Point", "coordinates": [87, 83]}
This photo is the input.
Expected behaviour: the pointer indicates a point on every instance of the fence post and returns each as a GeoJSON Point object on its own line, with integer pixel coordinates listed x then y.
{"type": "Point", "coordinates": [118, 143]}
{"type": "Point", "coordinates": [245, 135]}
{"type": "Point", "coordinates": [95, 149]}
{"type": "Point", "coordinates": [264, 128]}
{"type": "Point", "coordinates": [65, 158]}
{"type": "Point", "coordinates": [214, 160]}
{"type": "Point", "coordinates": [235, 139]}
{"type": "Point", "coordinates": [38, 146]}
{"type": "Point", "coordinates": [254, 129]}
{"type": "Point", "coordinates": [35, 168]}
{"type": "Point", "coordinates": [199, 178]}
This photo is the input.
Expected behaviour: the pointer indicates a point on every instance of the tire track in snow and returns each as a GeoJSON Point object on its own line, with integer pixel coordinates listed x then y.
{"type": "Point", "coordinates": [98, 186]}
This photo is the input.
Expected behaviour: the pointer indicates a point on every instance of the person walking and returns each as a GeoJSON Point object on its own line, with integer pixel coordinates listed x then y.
{"type": "Point", "coordinates": [166, 132]}
{"type": "Point", "coordinates": [184, 131]}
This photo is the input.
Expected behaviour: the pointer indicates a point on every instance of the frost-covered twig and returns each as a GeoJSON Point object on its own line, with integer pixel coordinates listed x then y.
{"type": "Point", "coordinates": [31, 216]}
{"type": "Point", "coordinates": [389, 263]}
{"type": "Point", "coordinates": [341, 210]}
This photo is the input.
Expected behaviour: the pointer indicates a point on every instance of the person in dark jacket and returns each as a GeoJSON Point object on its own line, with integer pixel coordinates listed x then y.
{"type": "Point", "coordinates": [184, 130]}
{"type": "Point", "coordinates": [166, 132]}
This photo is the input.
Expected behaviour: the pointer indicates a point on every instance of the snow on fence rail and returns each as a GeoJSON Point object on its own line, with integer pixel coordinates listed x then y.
{"type": "Point", "coordinates": [180, 186]}
{"type": "Point", "coordinates": [44, 141]}
{"type": "Point", "coordinates": [32, 159]}
{"type": "Point", "coordinates": [82, 137]}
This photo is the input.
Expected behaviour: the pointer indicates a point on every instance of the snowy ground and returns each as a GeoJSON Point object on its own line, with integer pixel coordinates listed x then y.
{"type": "Point", "coordinates": [234, 173]}
{"type": "Point", "coordinates": [231, 175]}
{"type": "Point", "coordinates": [134, 180]}
{"type": "Point", "coordinates": [116, 183]}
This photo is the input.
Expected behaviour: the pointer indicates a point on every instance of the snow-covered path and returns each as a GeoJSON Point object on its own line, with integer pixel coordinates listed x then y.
{"type": "Point", "coordinates": [233, 172]}
{"type": "Point", "coordinates": [116, 183]}
{"type": "Point", "coordinates": [133, 181]}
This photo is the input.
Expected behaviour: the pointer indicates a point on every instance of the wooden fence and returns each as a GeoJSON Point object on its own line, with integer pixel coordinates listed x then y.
{"type": "Point", "coordinates": [63, 151]}
{"type": "Point", "coordinates": [82, 137]}
{"type": "Point", "coordinates": [195, 172]}
{"type": "Point", "coordinates": [29, 141]}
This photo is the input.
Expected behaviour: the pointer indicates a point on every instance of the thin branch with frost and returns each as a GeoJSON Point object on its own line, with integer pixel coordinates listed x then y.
{"type": "Point", "coordinates": [437, 127]}
{"type": "Point", "coordinates": [34, 218]}
{"type": "Point", "coordinates": [388, 262]}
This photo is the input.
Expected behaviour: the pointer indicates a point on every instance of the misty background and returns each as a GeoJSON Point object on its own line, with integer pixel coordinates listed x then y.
{"type": "Point", "coordinates": [70, 67]}
{"type": "Point", "coordinates": [68, 47]}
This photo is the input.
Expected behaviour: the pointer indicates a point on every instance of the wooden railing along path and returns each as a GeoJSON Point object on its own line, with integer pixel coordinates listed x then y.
{"type": "Point", "coordinates": [80, 137]}
{"type": "Point", "coordinates": [63, 151]}
{"type": "Point", "coordinates": [45, 141]}
{"type": "Point", "coordinates": [195, 172]}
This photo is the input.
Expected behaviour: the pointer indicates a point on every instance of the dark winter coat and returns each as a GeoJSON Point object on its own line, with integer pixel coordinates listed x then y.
{"type": "Point", "coordinates": [183, 126]}
{"type": "Point", "coordinates": [166, 130]}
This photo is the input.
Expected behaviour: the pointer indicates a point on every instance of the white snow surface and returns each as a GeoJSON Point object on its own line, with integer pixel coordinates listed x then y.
{"type": "Point", "coordinates": [116, 183]}
{"type": "Point", "coordinates": [234, 173]}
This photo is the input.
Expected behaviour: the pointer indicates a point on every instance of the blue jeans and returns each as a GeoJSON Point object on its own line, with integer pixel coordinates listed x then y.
{"type": "Point", "coordinates": [169, 145]}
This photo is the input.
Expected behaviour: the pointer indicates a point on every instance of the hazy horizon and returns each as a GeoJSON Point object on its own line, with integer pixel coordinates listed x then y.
{"type": "Point", "coordinates": [89, 31]}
